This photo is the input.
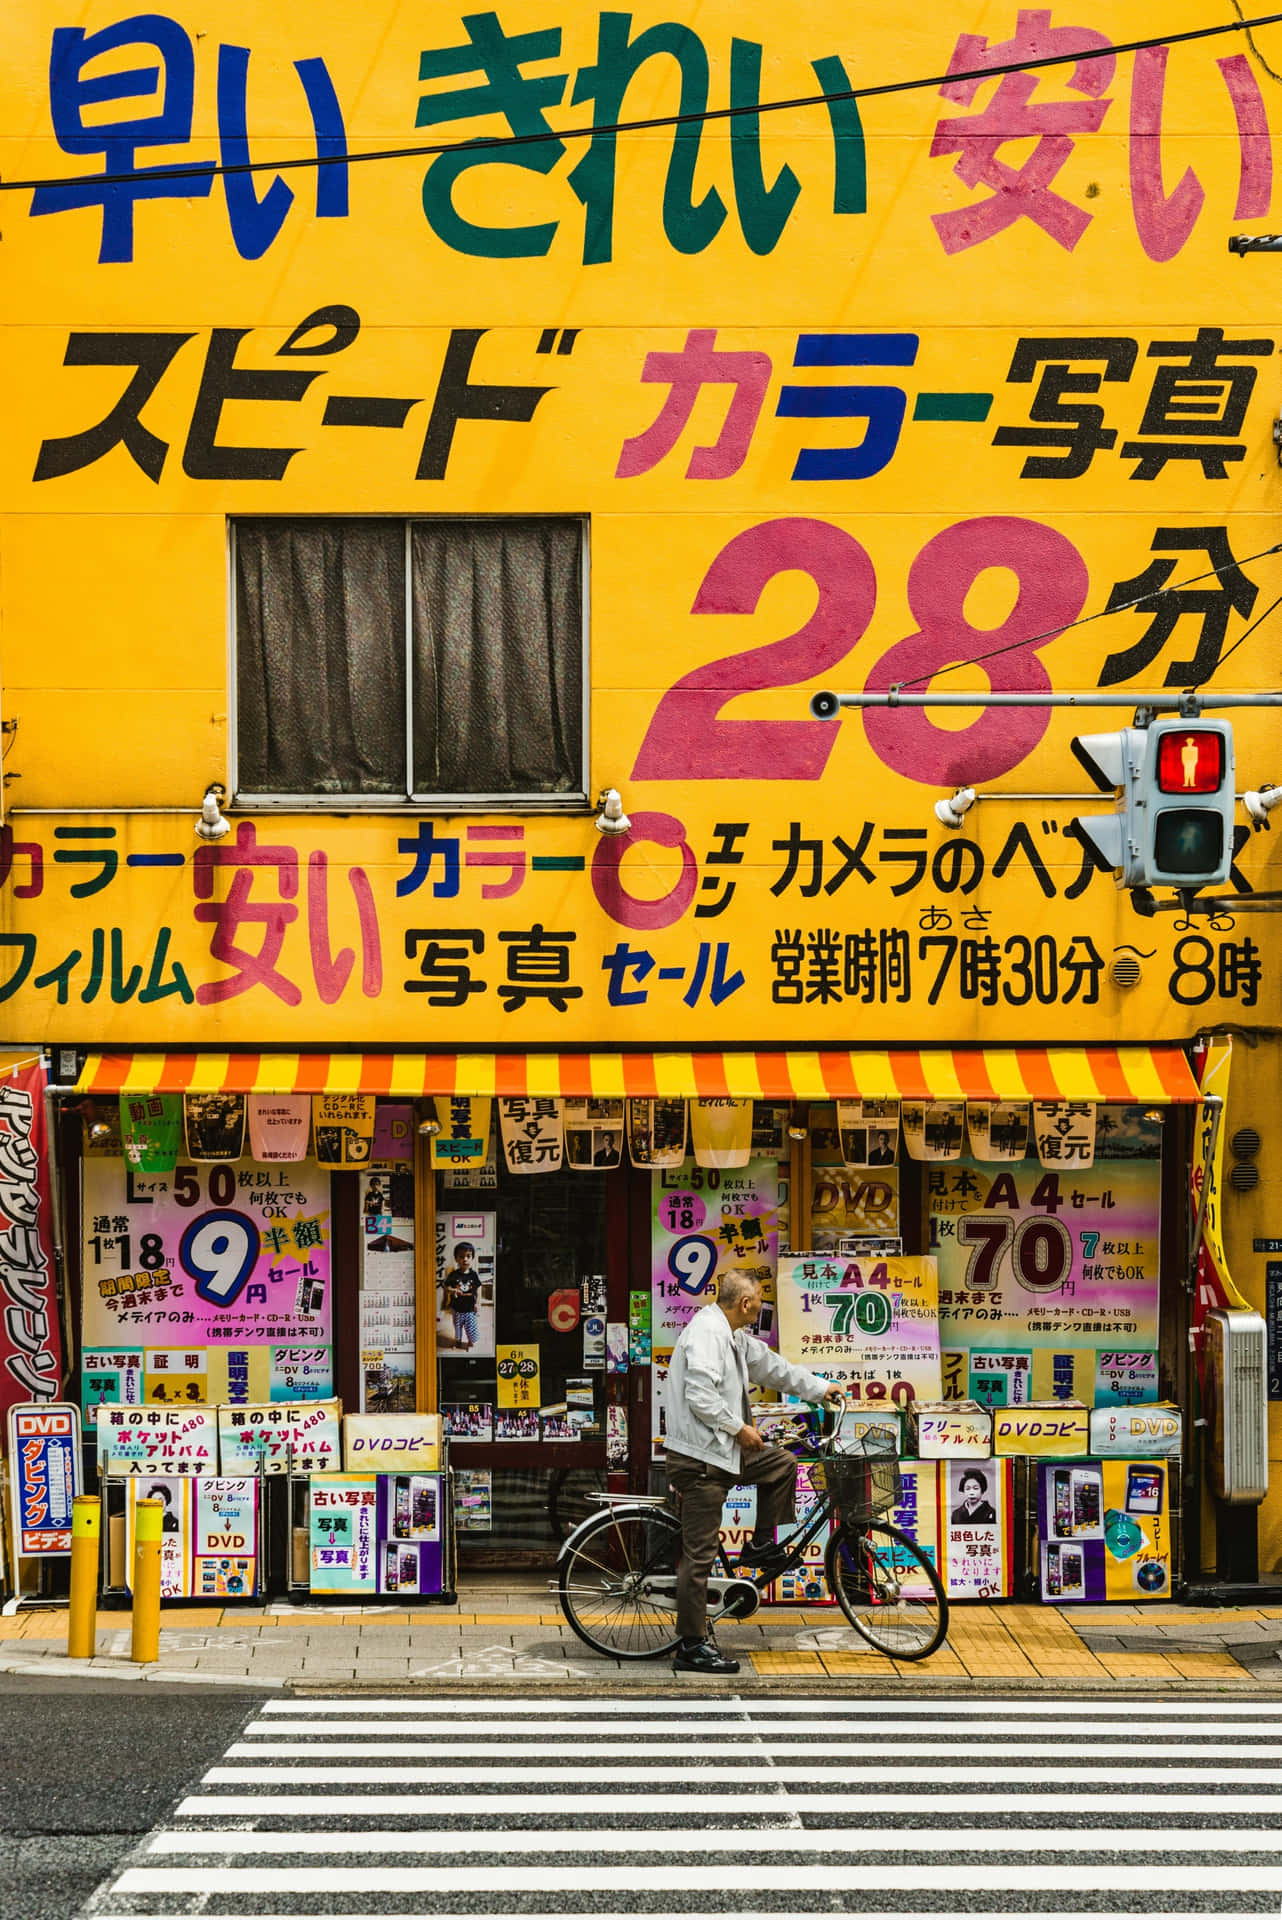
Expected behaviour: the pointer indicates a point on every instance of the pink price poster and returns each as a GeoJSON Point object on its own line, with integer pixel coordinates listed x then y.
{"type": "Point", "coordinates": [206, 1255]}
{"type": "Point", "coordinates": [707, 1222]}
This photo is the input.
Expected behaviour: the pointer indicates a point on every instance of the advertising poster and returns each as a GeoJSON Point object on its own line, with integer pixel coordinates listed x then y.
{"type": "Point", "coordinates": [917, 1515]}
{"type": "Point", "coordinates": [110, 1377]}
{"type": "Point", "coordinates": [44, 1478]}
{"type": "Point", "coordinates": [848, 1203]}
{"type": "Point", "coordinates": [225, 1538]}
{"type": "Point", "coordinates": [465, 1281]}
{"type": "Point", "coordinates": [234, 1254]}
{"type": "Point", "coordinates": [386, 1310]}
{"type": "Point", "coordinates": [342, 1533]}
{"type": "Point", "coordinates": [518, 1375]}
{"type": "Point", "coordinates": [150, 1130]}
{"type": "Point", "coordinates": [393, 1132]}
{"type": "Point", "coordinates": [473, 1499]}
{"type": "Point", "coordinates": [407, 1442]}
{"type": "Point", "coordinates": [171, 1439]}
{"type": "Point", "coordinates": [706, 1223]}
{"type": "Point", "coordinates": [411, 1554]}
{"type": "Point", "coordinates": [872, 1325]}
{"type": "Point", "coordinates": [532, 1133]}
{"type": "Point", "coordinates": [1058, 1265]}
{"type": "Point", "coordinates": [175, 1494]}
{"type": "Point", "coordinates": [305, 1438]}
{"type": "Point", "coordinates": [468, 1420]}
{"type": "Point", "coordinates": [592, 1302]}
{"type": "Point", "coordinates": [30, 1339]}
{"type": "Point", "coordinates": [976, 1529]}
{"type": "Point", "coordinates": [343, 1129]}
{"type": "Point", "coordinates": [1105, 1530]}
{"type": "Point", "coordinates": [657, 1132]}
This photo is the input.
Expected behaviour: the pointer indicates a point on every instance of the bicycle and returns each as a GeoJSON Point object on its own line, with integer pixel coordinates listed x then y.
{"type": "Point", "coordinates": [616, 1573]}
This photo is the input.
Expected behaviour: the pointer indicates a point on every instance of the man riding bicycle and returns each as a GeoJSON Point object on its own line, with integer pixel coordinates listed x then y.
{"type": "Point", "coordinates": [712, 1444]}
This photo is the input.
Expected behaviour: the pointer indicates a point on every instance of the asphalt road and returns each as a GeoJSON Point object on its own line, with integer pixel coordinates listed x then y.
{"type": "Point", "coordinates": [90, 1768]}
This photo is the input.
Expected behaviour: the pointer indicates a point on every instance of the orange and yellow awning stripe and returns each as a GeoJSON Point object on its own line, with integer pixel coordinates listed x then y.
{"type": "Point", "coordinates": [1144, 1076]}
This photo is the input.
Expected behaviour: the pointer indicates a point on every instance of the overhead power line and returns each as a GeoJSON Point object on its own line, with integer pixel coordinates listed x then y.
{"type": "Point", "coordinates": [501, 142]}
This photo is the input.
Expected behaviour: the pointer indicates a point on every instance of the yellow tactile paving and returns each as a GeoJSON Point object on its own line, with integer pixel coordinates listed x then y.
{"type": "Point", "coordinates": [786, 1662]}
{"type": "Point", "coordinates": [1137, 1666]}
{"type": "Point", "coordinates": [870, 1665]}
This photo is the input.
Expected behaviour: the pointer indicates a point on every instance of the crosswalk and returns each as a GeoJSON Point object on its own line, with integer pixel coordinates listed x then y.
{"type": "Point", "coordinates": [758, 1809]}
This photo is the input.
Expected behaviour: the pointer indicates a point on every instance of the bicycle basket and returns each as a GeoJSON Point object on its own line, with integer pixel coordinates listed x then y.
{"type": "Point", "coordinates": [864, 1483]}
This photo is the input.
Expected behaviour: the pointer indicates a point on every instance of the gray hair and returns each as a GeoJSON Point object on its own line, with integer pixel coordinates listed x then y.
{"type": "Point", "coordinates": [734, 1287]}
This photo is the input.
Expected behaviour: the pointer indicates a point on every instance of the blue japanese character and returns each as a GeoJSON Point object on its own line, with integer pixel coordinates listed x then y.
{"type": "Point", "coordinates": [882, 407]}
{"type": "Point", "coordinates": [426, 848]}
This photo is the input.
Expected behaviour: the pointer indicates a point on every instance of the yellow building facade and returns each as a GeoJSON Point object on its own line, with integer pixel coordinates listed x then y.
{"type": "Point", "coordinates": [735, 371]}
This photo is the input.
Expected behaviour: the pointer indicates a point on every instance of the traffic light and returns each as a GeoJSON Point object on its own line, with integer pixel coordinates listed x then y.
{"type": "Point", "coordinates": [1173, 787]}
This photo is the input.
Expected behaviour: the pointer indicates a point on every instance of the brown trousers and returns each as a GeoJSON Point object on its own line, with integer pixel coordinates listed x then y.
{"type": "Point", "coordinates": [700, 1492]}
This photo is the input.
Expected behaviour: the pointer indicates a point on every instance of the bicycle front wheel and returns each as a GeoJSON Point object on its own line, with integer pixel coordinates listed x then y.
{"type": "Point", "coordinates": [617, 1584]}
{"type": "Point", "coordinates": [888, 1590]}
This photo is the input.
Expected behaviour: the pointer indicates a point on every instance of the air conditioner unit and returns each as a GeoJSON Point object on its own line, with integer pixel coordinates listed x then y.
{"type": "Point", "coordinates": [1237, 1412]}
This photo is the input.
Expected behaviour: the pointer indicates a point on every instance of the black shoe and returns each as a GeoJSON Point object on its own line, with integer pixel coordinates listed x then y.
{"type": "Point", "coordinates": [703, 1657]}
{"type": "Point", "coordinates": [767, 1559]}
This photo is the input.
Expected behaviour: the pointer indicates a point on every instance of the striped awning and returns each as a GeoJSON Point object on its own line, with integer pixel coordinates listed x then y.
{"type": "Point", "coordinates": [1147, 1076]}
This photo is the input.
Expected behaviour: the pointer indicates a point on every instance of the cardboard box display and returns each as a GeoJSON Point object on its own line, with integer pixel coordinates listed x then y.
{"type": "Point", "coordinates": [1055, 1429]}
{"type": "Point", "coordinates": [954, 1430]}
{"type": "Point", "coordinates": [1151, 1430]}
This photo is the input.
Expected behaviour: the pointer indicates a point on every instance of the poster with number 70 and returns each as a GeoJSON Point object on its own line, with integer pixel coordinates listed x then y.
{"type": "Point", "coordinates": [872, 1325]}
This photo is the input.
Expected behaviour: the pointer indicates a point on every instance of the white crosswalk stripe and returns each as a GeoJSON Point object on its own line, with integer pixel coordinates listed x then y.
{"type": "Point", "coordinates": [729, 1808]}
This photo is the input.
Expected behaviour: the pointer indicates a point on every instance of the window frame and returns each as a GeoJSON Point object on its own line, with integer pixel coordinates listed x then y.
{"type": "Point", "coordinates": [576, 801]}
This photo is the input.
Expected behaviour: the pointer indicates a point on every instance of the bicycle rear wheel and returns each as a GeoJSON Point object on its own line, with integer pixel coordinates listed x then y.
{"type": "Point", "coordinates": [888, 1590]}
{"type": "Point", "coordinates": [617, 1583]}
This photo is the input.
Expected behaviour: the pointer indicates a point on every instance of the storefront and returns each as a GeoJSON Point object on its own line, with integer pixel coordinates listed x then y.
{"type": "Point", "coordinates": [514, 1243]}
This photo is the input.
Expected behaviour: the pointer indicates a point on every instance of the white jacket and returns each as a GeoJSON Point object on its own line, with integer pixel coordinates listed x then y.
{"type": "Point", "coordinates": [706, 1390]}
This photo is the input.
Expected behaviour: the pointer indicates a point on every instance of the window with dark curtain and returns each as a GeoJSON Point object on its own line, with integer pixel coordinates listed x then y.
{"type": "Point", "coordinates": [498, 656]}
{"type": "Point", "coordinates": [320, 656]}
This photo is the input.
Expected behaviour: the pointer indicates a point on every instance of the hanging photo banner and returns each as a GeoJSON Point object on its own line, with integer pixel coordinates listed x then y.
{"type": "Point", "coordinates": [214, 1125]}
{"type": "Point", "coordinates": [657, 1132]}
{"type": "Point", "coordinates": [998, 1130]}
{"type": "Point", "coordinates": [769, 1128]}
{"type": "Point", "coordinates": [465, 1130]}
{"type": "Point", "coordinates": [593, 1134]}
{"type": "Point", "coordinates": [342, 1532]}
{"type": "Point", "coordinates": [280, 1126]}
{"type": "Point", "coordinates": [518, 1378]}
{"type": "Point", "coordinates": [482, 1175]}
{"type": "Point", "coordinates": [1065, 1133]}
{"type": "Point", "coordinates": [30, 1342]}
{"type": "Point", "coordinates": [465, 1279]}
{"type": "Point", "coordinates": [343, 1128]}
{"type": "Point", "coordinates": [533, 1134]}
{"type": "Point", "coordinates": [150, 1130]}
{"type": "Point", "coordinates": [393, 1131]}
{"type": "Point", "coordinates": [699, 1233]}
{"type": "Point", "coordinates": [872, 1325]}
{"type": "Point", "coordinates": [934, 1132]}
{"type": "Point", "coordinates": [233, 1259]}
{"type": "Point", "coordinates": [721, 1132]}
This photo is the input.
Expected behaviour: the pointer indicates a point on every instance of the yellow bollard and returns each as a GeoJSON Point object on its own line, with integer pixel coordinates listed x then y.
{"type": "Point", "coordinates": [148, 1516]}
{"type": "Point", "coordinates": [82, 1611]}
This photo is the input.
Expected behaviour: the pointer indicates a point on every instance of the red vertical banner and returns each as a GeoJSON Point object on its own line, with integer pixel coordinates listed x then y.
{"type": "Point", "coordinates": [30, 1341]}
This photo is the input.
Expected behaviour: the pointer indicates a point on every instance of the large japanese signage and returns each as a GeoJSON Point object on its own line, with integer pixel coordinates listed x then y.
{"type": "Point", "coordinates": [30, 1345]}
{"type": "Point", "coordinates": [981, 430]}
{"type": "Point", "coordinates": [1048, 1281]}
{"type": "Point", "coordinates": [210, 1284]}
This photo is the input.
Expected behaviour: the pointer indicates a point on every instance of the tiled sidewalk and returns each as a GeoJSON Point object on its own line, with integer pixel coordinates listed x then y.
{"type": "Point", "coordinates": [508, 1634]}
